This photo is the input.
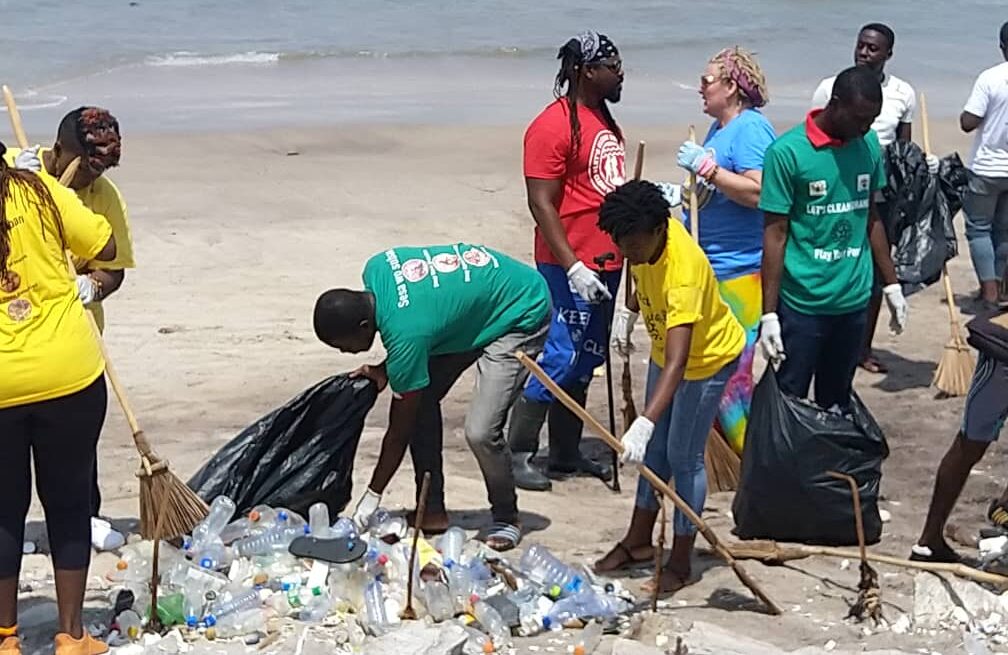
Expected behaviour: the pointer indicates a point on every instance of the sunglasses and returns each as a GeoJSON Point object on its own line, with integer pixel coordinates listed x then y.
{"type": "Point", "coordinates": [707, 80]}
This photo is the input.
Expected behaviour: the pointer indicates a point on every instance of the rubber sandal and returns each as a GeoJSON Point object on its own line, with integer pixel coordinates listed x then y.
{"type": "Point", "coordinates": [681, 582]}
{"type": "Point", "coordinates": [943, 555]}
{"type": "Point", "coordinates": [10, 646]}
{"type": "Point", "coordinates": [334, 551]}
{"type": "Point", "coordinates": [509, 536]}
{"type": "Point", "coordinates": [628, 563]}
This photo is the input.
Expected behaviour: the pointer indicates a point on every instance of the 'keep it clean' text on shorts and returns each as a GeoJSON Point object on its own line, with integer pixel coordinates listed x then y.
{"type": "Point", "coordinates": [987, 400]}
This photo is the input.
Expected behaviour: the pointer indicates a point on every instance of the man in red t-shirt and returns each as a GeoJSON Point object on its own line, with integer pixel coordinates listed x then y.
{"type": "Point", "coordinates": [574, 156]}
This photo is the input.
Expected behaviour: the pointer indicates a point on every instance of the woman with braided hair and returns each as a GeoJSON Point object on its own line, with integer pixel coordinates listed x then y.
{"type": "Point", "coordinates": [729, 169]}
{"type": "Point", "coordinates": [52, 391]}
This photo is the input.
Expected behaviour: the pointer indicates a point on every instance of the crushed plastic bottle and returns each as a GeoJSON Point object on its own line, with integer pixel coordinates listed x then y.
{"type": "Point", "coordinates": [276, 540]}
{"type": "Point", "coordinates": [240, 623]}
{"type": "Point", "coordinates": [232, 602]}
{"type": "Point", "coordinates": [316, 606]}
{"type": "Point", "coordinates": [209, 530]}
{"type": "Point", "coordinates": [584, 604]}
{"type": "Point", "coordinates": [478, 642]}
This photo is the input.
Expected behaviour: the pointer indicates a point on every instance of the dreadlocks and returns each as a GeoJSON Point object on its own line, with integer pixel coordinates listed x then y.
{"type": "Point", "coordinates": [740, 66]}
{"type": "Point", "coordinates": [93, 133]}
{"type": "Point", "coordinates": [633, 208]}
{"type": "Point", "coordinates": [35, 192]}
{"type": "Point", "coordinates": [585, 50]}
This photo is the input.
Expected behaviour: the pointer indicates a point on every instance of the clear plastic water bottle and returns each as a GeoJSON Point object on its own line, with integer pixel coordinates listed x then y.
{"type": "Point", "coordinates": [452, 542]}
{"type": "Point", "coordinates": [213, 555]}
{"type": "Point", "coordinates": [318, 520]}
{"type": "Point", "coordinates": [589, 639]}
{"type": "Point", "coordinates": [316, 606]}
{"type": "Point", "coordinates": [221, 510]}
{"type": "Point", "coordinates": [374, 603]}
{"type": "Point", "coordinates": [492, 622]}
{"type": "Point", "coordinates": [460, 586]}
{"type": "Point", "coordinates": [344, 528]}
{"type": "Point", "coordinates": [130, 625]}
{"type": "Point", "coordinates": [438, 600]}
{"type": "Point", "coordinates": [477, 642]}
{"type": "Point", "coordinates": [583, 604]}
{"type": "Point", "coordinates": [238, 600]}
{"type": "Point", "coordinates": [544, 568]}
{"type": "Point", "coordinates": [275, 540]}
{"type": "Point", "coordinates": [241, 623]}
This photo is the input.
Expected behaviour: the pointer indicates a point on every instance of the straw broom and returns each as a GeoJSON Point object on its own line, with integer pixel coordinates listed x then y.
{"type": "Point", "coordinates": [722, 463]}
{"type": "Point", "coordinates": [161, 491]}
{"type": "Point", "coordinates": [955, 368]}
{"type": "Point", "coordinates": [659, 485]}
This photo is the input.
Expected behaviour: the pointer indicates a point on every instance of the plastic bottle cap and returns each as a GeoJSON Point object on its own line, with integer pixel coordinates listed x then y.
{"type": "Point", "coordinates": [254, 515]}
{"type": "Point", "coordinates": [488, 647]}
{"type": "Point", "coordinates": [211, 620]}
{"type": "Point", "coordinates": [282, 516]}
{"type": "Point", "coordinates": [260, 579]}
{"type": "Point", "coordinates": [316, 591]}
{"type": "Point", "coordinates": [449, 563]}
{"type": "Point", "coordinates": [579, 650]}
{"type": "Point", "coordinates": [382, 559]}
{"type": "Point", "coordinates": [473, 599]}
{"type": "Point", "coordinates": [285, 586]}
{"type": "Point", "coordinates": [191, 622]}
{"type": "Point", "coordinates": [122, 565]}
{"type": "Point", "coordinates": [555, 591]}
{"type": "Point", "coordinates": [133, 631]}
{"type": "Point", "coordinates": [307, 529]}
{"type": "Point", "coordinates": [547, 622]}
{"type": "Point", "coordinates": [206, 563]}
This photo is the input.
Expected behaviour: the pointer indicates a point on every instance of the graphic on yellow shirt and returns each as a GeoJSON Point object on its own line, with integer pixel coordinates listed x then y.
{"type": "Point", "coordinates": [46, 345]}
{"type": "Point", "coordinates": [680, 289]}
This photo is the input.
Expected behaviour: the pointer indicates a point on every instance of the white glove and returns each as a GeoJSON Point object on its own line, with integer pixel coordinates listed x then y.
{"type": "Point", "coordinates": [366, 506]}
{"type": "Point", "coordinates": [635, 440]}
{"type": "Point", "coordinates": [673, 193]}
{"type": "Point", "coordinates": [86, 289]}
{"type": "Point", "coordinates": [932, 163]}
{"type": "Point", "coordinates": [622, 328]}
{"type": "Point", "coordinates": [586, 283]}
{"type": "Point", "coordinates": [770, 339]}
{"type": "Point", "coordinates": [897, 307]}
{"type": "Point", "coordinates": [28, 160]}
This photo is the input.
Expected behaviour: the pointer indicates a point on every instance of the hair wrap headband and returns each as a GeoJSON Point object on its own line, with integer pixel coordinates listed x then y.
{"type": "Point", "coordinates": [735, 71]}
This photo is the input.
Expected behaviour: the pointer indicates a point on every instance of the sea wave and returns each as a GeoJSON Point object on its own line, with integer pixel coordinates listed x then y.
{"type": "Point", "coordinates": [183, 59]}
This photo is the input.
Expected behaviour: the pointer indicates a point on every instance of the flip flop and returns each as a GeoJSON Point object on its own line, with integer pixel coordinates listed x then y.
{"type": "Point", "coordinates": [681, 583]}
{"type": "Point", "coordinates": [334, 551]}
{"type": "Point", "coordinates": [505, 534]}
{"type": "Point", "coordinates": [873, 365]}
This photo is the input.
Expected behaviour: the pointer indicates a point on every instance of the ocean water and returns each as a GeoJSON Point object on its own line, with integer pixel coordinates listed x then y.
{"type": "Point", "coordinates": [200, 65]}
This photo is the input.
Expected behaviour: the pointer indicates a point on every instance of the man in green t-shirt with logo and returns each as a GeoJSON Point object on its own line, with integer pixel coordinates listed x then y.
{"type": "Point", "coordinates": [821, 236]}
{"type": "Point", "coordinates": [439, 310]}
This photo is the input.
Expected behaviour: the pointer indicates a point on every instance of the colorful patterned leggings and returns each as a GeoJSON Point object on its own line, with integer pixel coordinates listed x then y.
{"type": "Point", "coordinates": [744, 295]}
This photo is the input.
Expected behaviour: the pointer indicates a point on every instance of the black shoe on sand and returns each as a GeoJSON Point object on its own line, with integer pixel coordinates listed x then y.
{"type": "Point", "coordinates": [940, 555]}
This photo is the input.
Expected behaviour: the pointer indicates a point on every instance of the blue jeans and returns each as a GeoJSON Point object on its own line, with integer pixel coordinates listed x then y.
{"type": "Point", "coordinates": [986, 208]}
{"type": "Point", "coordinates": [676, 449]}
{"type": "Point", "coordinates": [576, 344]}
{"type": "Point", "coordinates": [826, 347]}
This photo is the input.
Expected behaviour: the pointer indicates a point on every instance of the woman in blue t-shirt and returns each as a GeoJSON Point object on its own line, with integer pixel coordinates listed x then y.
{"type": "Point", "coordinates": [729, 169]}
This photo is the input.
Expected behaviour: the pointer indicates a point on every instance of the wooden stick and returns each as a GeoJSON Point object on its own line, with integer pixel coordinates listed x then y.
{"type": "Point", "coordinates": [154, 625]}
{"type": "Point", "coordinates": [858, 521]}
{"type": "Point", "coordinates": [694, 209]}
{"type": "Point", "coordinates": [771, 552]}
{"type": "Point", "coordinates": [639, 162]}
{"type": "Point", "coordinates": [651, 477]}
{"type": "Point", "coordinates": [408, 612]}
{"type": "Point", "coordinates": [626, 380]}
{"type": "Point", "coordinates": [15, 118]}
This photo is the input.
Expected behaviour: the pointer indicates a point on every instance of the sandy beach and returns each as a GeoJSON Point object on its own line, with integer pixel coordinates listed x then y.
{"type": "Point", "coordinates": [237, 233]}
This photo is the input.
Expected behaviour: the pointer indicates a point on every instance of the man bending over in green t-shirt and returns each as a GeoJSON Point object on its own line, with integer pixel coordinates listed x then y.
{"type": "Point", "coordinates": [439, 310]}
{"type": "Point", "coordinates": [821, 236]}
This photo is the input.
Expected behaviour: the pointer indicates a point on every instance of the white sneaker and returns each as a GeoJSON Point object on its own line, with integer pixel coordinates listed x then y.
{"type": "Point", "coordinates": [104, 536]}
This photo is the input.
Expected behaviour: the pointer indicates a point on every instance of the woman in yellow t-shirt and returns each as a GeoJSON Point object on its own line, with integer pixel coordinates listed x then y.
{"type": "Point", "coordinates": [695, 346]}
{"type": "Point", "coordinates": [52, 391]}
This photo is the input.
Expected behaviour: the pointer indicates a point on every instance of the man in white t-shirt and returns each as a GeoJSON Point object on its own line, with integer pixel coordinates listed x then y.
{"type": "Point", "coordinates": [874, 47]}
{"type": "Point", "coordinates": [986, 201]}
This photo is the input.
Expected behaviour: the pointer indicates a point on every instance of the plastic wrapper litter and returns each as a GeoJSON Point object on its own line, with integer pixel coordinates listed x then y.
{"type": "Point", "coordinates": [785, 492]}
{"type": "Point", "coordinates": [297, 455]}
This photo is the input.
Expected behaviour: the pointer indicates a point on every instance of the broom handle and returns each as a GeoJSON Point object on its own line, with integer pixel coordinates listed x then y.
{"type": "Point", "coordinates": [949, 296]}
{"type": "Point", "coordinates": [693, 209]}
{"type": "Point", "coordinates": [142, 445]}
{"type": "Point", "coordinates": [651, 477]}
{"type": "Point", "coordinates": [15, 118]}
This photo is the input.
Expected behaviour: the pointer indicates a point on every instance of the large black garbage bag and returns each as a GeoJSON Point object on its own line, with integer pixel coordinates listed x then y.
{"type": "Point", "coordinates": [784, 490]}
{"type": "Point", "coordinates": [920, 209]}
{"type": "Point", "coordinates": [298, 454]}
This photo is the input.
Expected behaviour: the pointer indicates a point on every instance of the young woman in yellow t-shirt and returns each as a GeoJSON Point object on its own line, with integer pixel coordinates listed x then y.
{"type": "Point", "coordinates": [696, 342]}
{"type": "Point", "coordinates": [52, 392]}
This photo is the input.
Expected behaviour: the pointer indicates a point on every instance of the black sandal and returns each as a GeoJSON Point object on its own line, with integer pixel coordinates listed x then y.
{"type": "Point", "coordinates": [628, 563]}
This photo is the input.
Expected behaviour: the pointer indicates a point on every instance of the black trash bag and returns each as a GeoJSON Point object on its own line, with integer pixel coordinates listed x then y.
{"type": "Point", "coordinates": [784, 490]}
{"type": "Point", "coordinates": [297, 455]}
{"type": "Point", "coordinates": [920, 209]}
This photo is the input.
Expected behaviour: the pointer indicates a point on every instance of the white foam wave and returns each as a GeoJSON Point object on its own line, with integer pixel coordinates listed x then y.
{"type": "Point", "coordinates": [195, 59]}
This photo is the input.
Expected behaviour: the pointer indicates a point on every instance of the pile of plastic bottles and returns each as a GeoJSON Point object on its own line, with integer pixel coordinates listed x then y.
{"type": "Point", "coordinates": [233, 575]}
